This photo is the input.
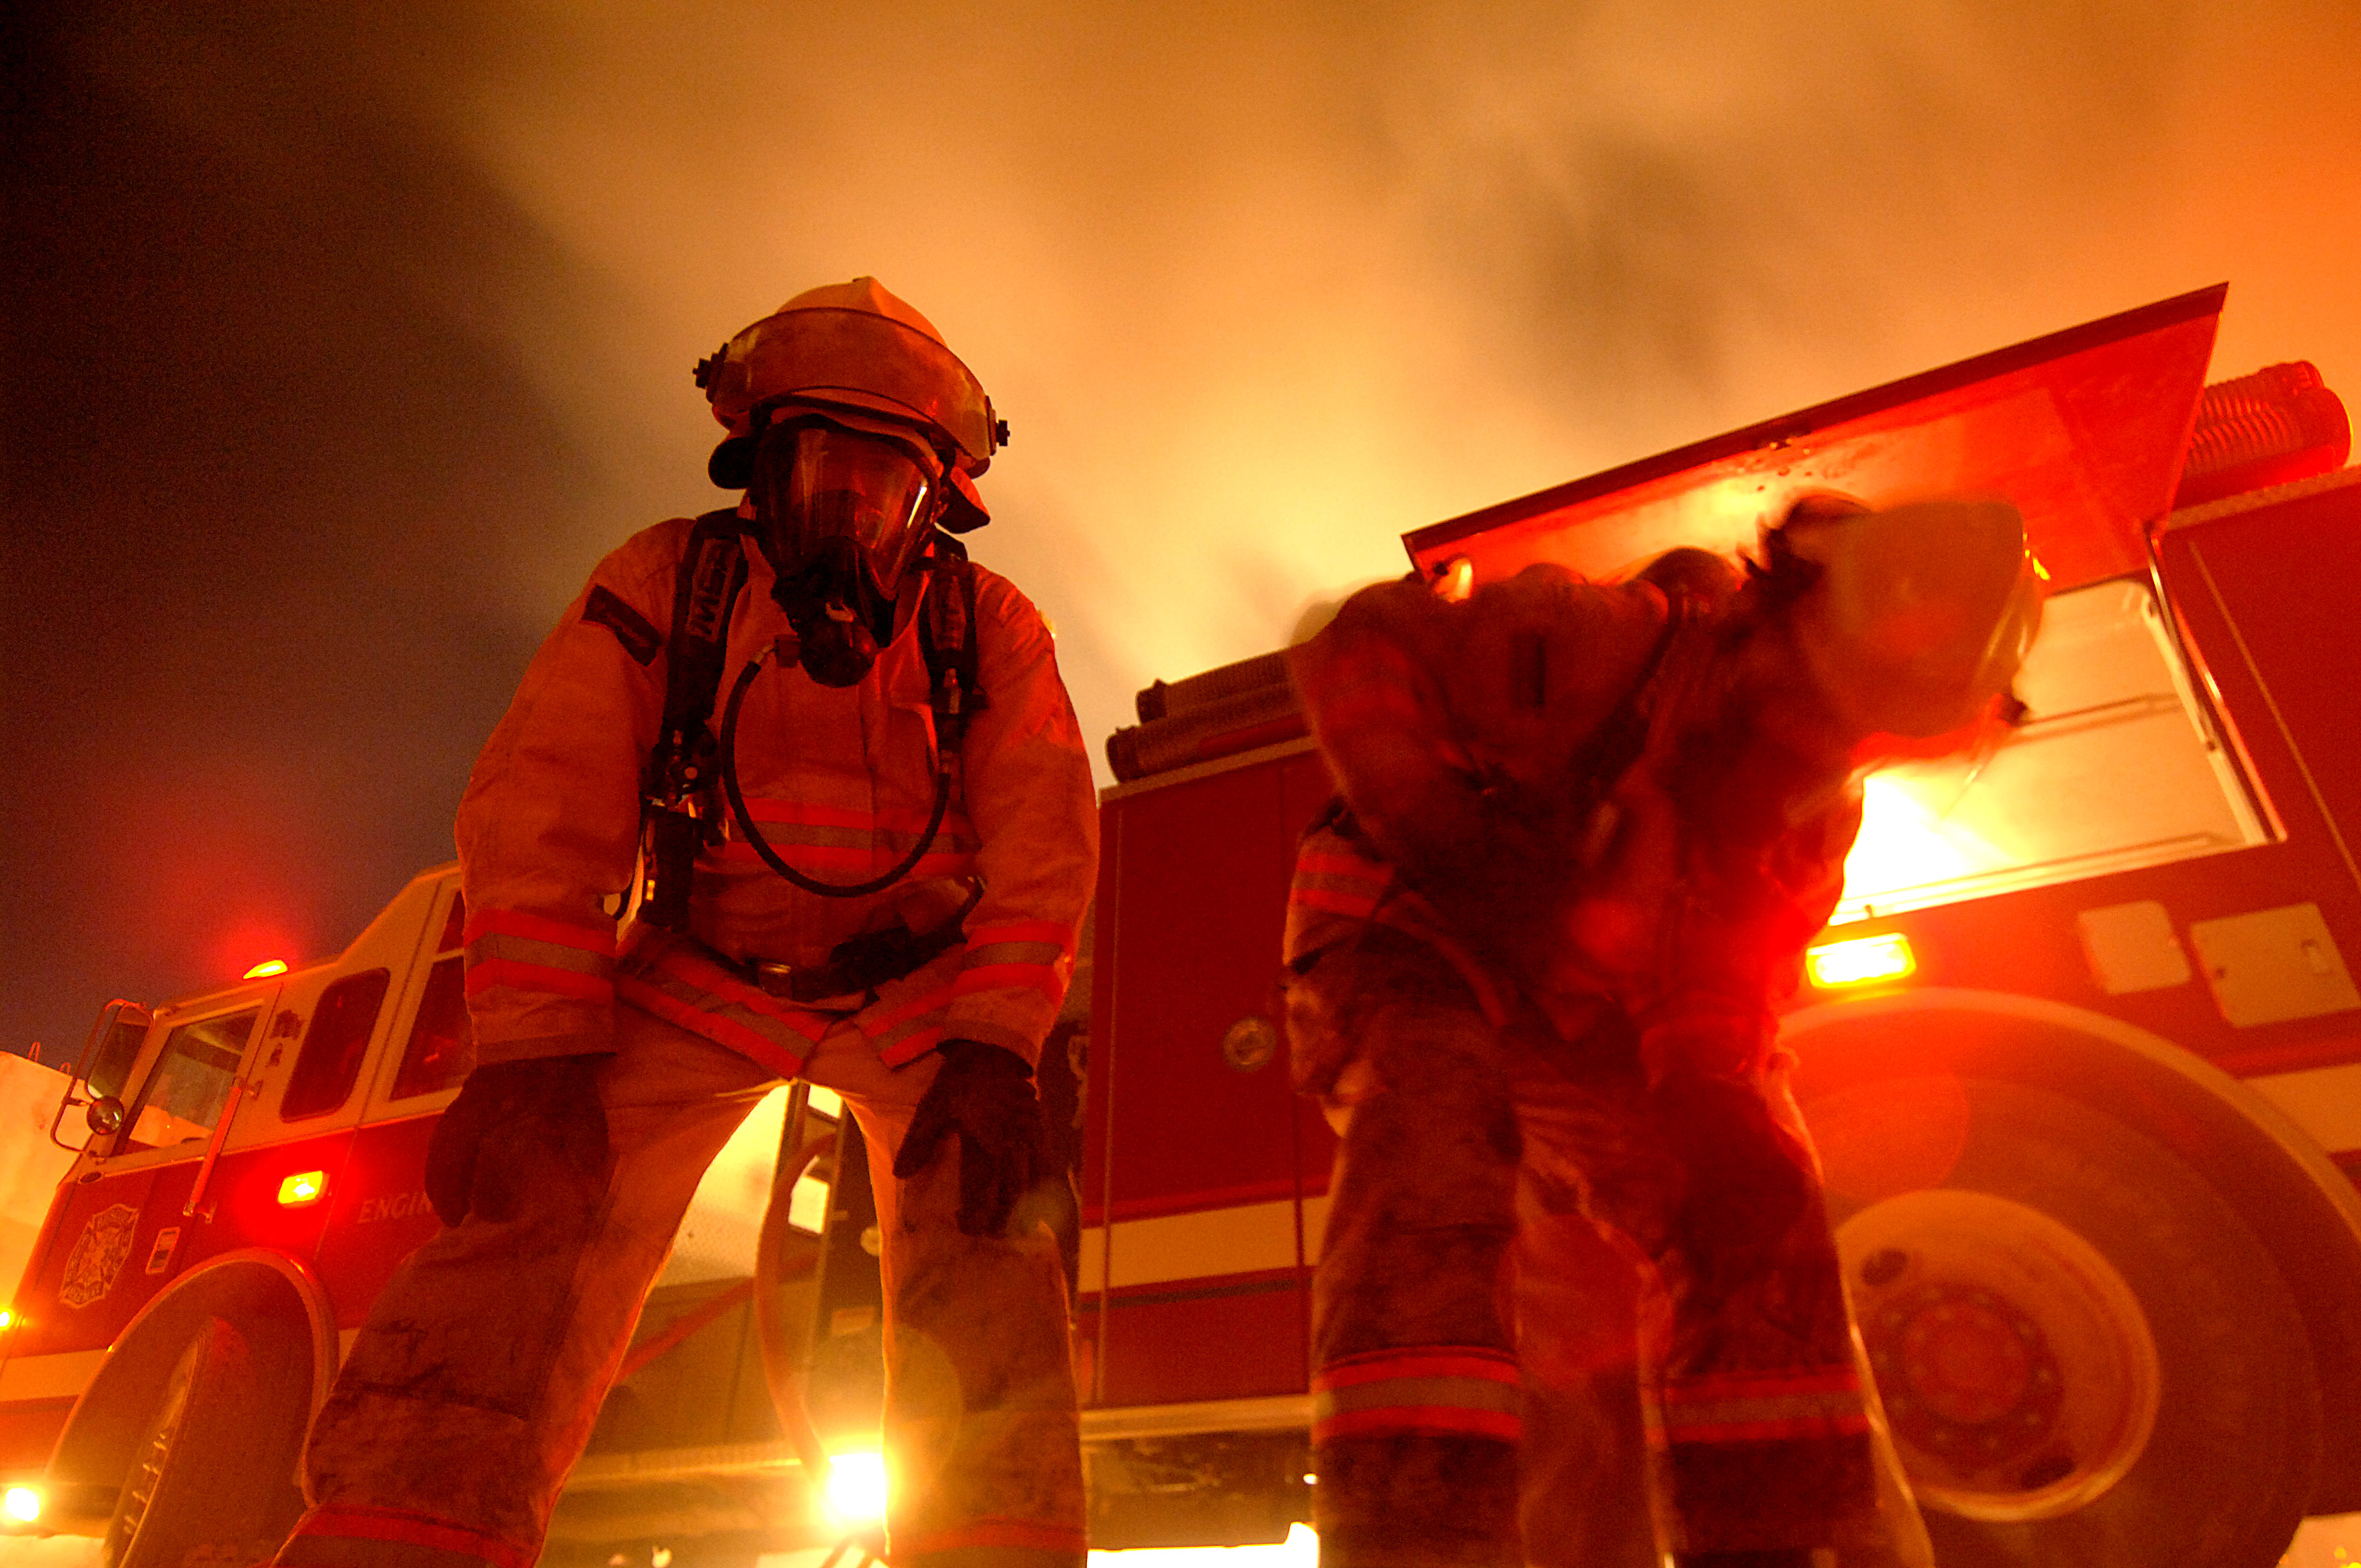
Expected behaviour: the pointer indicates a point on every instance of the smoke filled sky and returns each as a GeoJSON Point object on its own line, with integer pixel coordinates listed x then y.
{"type": "Point", "coordinates": [342, 341]}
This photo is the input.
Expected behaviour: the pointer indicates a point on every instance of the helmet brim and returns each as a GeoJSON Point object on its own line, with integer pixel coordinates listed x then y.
{"type": "Point", "coordinates": [856, 359]}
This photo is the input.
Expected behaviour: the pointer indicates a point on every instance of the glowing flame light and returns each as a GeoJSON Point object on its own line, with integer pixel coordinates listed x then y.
{"type": "Point", "coordinates": [303, 1187]}
{"type": "Point", "coordinates": [1299, 1549]}
{"type": "Point", "coordinates": [1861, 960]}
{"type": "Point", "coordinates": [266, 968]}
{"type": "Point", "coordinates": [22, 1504]}
{"type": "Point", "coordinates": [856, 1488]}
{"type": "Point", "coordinates": [1905, 843]}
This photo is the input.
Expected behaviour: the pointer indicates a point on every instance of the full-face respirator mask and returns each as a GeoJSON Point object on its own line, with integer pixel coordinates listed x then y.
{"type": "Point", "coordinates": [841, 514]}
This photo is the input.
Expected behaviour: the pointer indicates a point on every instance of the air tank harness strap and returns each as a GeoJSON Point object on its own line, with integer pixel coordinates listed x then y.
{"type": "Point", "coordinates": [947, 640]}
{"type": "Point", "coordinates": [679, 812]}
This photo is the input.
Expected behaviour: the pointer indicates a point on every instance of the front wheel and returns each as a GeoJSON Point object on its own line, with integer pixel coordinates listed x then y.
{"type": "Point", "coordinates": [208, 1470]}
{"type": "Point", "coordinates": [2086, 1356]}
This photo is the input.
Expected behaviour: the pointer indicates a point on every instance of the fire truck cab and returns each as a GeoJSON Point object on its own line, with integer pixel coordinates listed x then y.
{"type": "Point", "coordinates": [249, 1180]}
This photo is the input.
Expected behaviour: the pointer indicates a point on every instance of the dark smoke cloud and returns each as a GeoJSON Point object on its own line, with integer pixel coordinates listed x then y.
{"type": "Point", "coordinates": [341, 345]}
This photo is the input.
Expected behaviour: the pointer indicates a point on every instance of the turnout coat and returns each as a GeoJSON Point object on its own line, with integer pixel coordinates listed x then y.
{"type": "Point", "coordinates": [840, 781]}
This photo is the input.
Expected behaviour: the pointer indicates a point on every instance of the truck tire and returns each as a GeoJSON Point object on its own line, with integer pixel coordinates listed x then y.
{"type": "Point", "coordinates": [2074, 1276]}
{"type": "Point", "coordinates": [207, 1473]}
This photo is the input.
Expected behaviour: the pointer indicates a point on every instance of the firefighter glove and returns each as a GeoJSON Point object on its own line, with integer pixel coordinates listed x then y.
{"type": "Point", "coordinates": [1749, 1178]}
{"type": "Point", "coordinates": [984, 1096]}
{"type": "Point", "coordinates": [516, 1123]}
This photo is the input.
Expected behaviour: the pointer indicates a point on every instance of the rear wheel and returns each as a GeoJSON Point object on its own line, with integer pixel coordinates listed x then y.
{"type": "Point", "coordinates": [2085, 1354]}
{"type": "Point", "coordinates": [208, 1478]}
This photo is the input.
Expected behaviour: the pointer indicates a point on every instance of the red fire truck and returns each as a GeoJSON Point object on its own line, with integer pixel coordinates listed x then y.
{"type": "Point", "coordinates": [2082, 1052]}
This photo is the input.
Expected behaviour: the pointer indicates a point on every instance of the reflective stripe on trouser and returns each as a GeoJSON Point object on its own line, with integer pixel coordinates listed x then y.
{"type": "Point", "coordinates": [1501, 1196]}
{"type": "Point", "coordinates": [473, 1387]}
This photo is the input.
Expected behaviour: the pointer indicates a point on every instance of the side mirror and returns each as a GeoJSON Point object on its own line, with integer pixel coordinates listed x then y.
{"type": "Point", "coordinates": [104, 1067]}
{"type": "Point", "coordinates": [105, 1064]}
{"type": "Point", "coordinates": [104, 1115]}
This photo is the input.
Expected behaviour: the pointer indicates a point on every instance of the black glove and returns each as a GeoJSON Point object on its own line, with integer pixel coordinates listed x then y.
{"type": "Point", "coordinates": [508, 1114]}
{"type": "Point", "coordinates": [984, 1094]}
{"type": "Point", "coordinates": [1749, 1178]}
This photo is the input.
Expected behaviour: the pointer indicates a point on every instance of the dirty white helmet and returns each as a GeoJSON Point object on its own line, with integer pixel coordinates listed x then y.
{"type": "Point", "coordinates": [1920, 615]}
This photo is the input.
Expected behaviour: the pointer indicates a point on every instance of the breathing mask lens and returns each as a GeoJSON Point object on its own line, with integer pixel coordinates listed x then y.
{"type": "Point", "coordinates": [818, 489]}
{"type": "Point", "coordinates": [842, 514]}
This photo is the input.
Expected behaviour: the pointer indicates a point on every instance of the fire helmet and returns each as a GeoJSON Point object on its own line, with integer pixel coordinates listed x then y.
{"type": "Point", "coordinates": [1919, 616]}
{"type": "Point", "coordinates": [854, 431]}
{"type": "Point", "coordinates": [857, 349]}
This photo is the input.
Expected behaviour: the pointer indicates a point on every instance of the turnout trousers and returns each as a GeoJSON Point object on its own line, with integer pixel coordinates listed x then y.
{"type": "Point", "coordinates": [473, 1387]}
{"type": "Point", "coordinates": [1513, 1363]}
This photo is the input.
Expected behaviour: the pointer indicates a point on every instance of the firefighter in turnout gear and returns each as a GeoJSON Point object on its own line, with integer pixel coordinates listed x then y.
{"type": "Point", "coordinates": [1578, 1302]}
{"type": "Point", "coordinates": [866, 867]}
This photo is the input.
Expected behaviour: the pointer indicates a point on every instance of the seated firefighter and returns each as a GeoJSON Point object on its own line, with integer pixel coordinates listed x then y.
{"type": "Point", "coordinates": [887, 907]}
{"type": "Point", "coordinates": [1578, 1301]}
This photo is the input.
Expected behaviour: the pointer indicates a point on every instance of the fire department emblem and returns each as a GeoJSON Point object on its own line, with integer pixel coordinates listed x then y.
{"type": "Point", "coordinates": [98, 1255]}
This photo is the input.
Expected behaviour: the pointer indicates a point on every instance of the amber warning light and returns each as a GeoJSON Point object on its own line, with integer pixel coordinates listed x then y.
{"type": "Point", "coordinates": [1861, 960]}
{"type": "Point", "coordinates": [303, 1187]}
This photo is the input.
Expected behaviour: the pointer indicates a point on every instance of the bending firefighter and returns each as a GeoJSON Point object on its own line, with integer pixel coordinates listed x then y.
{"type": "Point", "coordinates": [865, 867]}
{"type": "Point", "coordinates": [1578, 1302]}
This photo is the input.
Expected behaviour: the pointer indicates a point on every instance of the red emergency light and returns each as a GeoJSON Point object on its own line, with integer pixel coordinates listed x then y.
{"type": "Point", "coordinates": [303, 1187]}
{"type": "Point", "coordinates": [267, 967]}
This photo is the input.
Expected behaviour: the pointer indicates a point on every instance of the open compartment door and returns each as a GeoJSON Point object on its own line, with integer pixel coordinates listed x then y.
{"type": "Point", "coordinates": [2084, 429]}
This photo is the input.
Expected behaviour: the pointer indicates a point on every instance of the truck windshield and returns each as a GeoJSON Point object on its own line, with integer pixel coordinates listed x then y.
{"type": "Point", "coordinates": [2114, 769]}
{"type": "Point", "coordinates": [190, 1083]}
